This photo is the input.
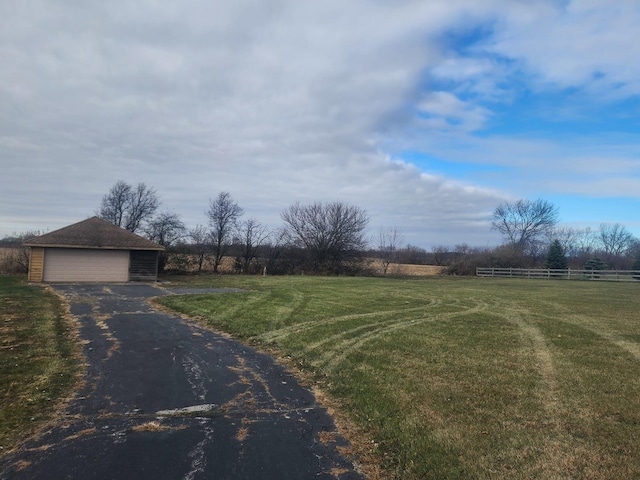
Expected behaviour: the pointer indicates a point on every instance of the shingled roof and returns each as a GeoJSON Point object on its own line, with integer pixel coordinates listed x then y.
{"type": "Point", "coordinates": [93, 233]}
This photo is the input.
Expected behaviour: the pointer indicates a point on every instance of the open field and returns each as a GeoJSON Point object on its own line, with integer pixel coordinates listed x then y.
{"type": "Point", "coordinates": [409, 270]}
{"type": "Point", "coordinates": [6, 253]}
{"type": "Point", "coordinates": [457, 377]}
{"type": "Point", "coordinates": [189, 263]}
{"type": "Point", "coordinates": [38, 358]}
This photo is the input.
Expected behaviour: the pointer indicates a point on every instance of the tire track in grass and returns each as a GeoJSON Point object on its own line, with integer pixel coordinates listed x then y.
{"type": "Point", "coordinates": [330, 360]}
{"type": "Point", "coordinates": [556, 459]}
{"type": "Point", "coordinates": [350, 335]}
{"type": "Point", "coordinates": [629, 347]}
{"type": "Point", "coordinates": [223, 313]}
{"type": "Point", "coordinates": [285, 311]}
{"type": "Point", "coordinates": [542, 354]}
{"type": "Point", "coordinates": [199, 311]}
{"type": "Point", "coordinates": [247, 302]}
{"type": "Point", "coordinates": [258, 299]}
{"type": "Point", "coordinates": [589, 324]}
{"type": "Point", "coordinates": [561, 453]}
{"type": "Point", "coordinates": [299, 299]}
{"type": "Point", "coordinates": [282, 333]}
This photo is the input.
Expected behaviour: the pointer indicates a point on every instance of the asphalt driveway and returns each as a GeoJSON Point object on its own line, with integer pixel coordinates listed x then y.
{"type": "Point", "coordinates": [164, 398]}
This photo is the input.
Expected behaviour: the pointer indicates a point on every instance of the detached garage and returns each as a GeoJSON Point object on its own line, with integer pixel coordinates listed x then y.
{"type": "Point", "coordinates": [92, 251]}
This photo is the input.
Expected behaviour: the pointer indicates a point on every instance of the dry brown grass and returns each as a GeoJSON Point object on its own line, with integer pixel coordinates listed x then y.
{"type": "Point", "coordinates": [402, 269]}
{"type": "Point", "coordinates": [153, 426]}
{"type": "Point", "coordinates": [81, 433]}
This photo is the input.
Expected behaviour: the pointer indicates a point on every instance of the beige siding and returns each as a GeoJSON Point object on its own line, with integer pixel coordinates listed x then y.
{"type": "Point", "coordinates": [80, 265]}
{"type": "Point", "coordinates": [36, 264]}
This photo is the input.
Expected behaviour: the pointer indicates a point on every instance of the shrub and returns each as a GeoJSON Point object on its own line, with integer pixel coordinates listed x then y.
{"type": "Point", "coordinates": [14, 260]}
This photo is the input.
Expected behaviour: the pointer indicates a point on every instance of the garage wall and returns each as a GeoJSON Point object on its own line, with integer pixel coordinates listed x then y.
{"type": "Point", "coordinates": [80, 265]}
{"type": "Point", "coordinates": [36, 264]}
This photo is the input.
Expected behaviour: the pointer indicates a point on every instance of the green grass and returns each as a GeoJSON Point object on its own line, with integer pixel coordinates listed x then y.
{"type": "Point", "coordinates": [38, 358]}
{"type": "Point", "coordinates": [458, 377]}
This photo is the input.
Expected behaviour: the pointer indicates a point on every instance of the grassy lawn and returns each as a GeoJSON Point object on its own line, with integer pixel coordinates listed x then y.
{"type": "Point", "coordinates": [38, 362]}
{"type": "Point", "coordinates": [458, 377]}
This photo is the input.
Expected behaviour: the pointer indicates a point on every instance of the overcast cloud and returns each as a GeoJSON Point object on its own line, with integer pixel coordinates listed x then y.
{"type": "Point", "coordinates": [426, 113]}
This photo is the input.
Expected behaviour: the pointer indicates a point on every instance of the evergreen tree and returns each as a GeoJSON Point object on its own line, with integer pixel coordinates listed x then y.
{"type": "Point", "coordinates": [595, 263]}
{"type": "Point", "coordinates": [555, 257]}
{"type": "Point", "coordinates": [636, 267]}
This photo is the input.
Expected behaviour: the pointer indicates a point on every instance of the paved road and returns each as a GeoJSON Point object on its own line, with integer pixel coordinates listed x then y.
{"type": "Point", "coordinates": [164, 398]}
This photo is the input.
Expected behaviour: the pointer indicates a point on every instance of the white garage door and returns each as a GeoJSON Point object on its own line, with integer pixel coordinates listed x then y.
{"type": "Point", "coordinates": [70, 265]}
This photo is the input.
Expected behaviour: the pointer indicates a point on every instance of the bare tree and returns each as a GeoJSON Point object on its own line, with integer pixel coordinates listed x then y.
{"type": "Point", "coordinates": [114, 204]}
{"type": "Point", "coordinates": [568, 238]}
{"type": "Point", "coordinates": [223, 217]}
{"type": "Point", "coordinates": [462, 248]}
{"type": "Point", "coordinates": [412, 254]}
{"type": "Point", "coordinates": [587, 241]}
{"type": "Point", "coordinates": [129, 207]}
{"type": "Point", "coordinates": [523, 222]}
{"type": "Point", "coordinates": [199, 236]}
{"type": "Point", "coordinates": [165, 229]}
{"type": "Point", "coordinates": [389, 240]}
{"type": "Point", "coordinates": [577, 243]}
{"type": "Point", "coordinates": [330, 233]}
{"type": "Point", "coordinates": [439, 254]}
{"type": "Point", "coordinates": [273, 251]}
{"type": "Point", "coordinates": [143, 204]}
{"type": "Point", "coordinates": [252, 234]}
{"type": "Point", "coordinates": [615, 238]}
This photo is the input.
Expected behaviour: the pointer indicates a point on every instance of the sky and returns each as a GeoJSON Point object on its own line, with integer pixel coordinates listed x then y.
{"type": "Point", "coordinates": [427, 114]}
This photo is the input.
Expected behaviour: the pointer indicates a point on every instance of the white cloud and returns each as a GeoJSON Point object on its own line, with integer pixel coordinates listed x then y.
{"type": "Point", "coordinates": [443, 110]}
{"type": "Point", "coordinates": [272, 101]}
{"type": "Point", "coordinates": [580, 43]}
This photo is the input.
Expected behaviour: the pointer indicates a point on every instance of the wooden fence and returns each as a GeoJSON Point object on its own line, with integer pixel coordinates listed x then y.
{"type": "Point", "coordinates": [568, 274]}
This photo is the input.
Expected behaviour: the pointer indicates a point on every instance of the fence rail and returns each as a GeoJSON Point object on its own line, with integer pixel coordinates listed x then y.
{"type": "Point", "coordinates": [565, 274]}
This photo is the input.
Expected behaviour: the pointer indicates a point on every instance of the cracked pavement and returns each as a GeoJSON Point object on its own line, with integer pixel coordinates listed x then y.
{"type": "Point", "coordinates": [165, 398]}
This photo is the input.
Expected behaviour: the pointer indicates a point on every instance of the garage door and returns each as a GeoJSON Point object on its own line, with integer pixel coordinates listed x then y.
{"type": "Point", "coordinates": [70, 265]}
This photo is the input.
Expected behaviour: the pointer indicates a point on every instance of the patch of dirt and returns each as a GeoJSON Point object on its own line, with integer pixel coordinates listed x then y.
{"type": "Point", "coordinates": [154, 426]}
{"type": "Point", "coordinates": [21, 465]}
{"type": "Point", "coordinates": [327, 437]}
{"type": "Point", "coordinates": [101, 321]}
{"type": "Point", "coordinates": [242, 434]}
{"type": "Point", "coordinates": [359, 449]}
{"type": "Point", "coordinates": [81, 433]}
